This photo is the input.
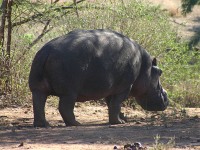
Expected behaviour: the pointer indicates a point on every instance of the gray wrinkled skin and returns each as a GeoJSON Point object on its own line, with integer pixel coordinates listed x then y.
{"type": "Point", "coordinates": [90, 65]}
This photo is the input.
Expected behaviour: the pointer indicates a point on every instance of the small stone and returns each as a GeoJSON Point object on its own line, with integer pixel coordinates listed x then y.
{"type": "Point", "coordinates": [138, 144]}
{"type": "Point", "coordinates": [21, 144]}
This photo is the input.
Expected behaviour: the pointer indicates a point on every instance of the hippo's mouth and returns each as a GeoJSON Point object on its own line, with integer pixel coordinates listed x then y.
{"type": "Point", "coordinates": [157, 101]}
{"type": "Point", "coordinates": [164, 99]}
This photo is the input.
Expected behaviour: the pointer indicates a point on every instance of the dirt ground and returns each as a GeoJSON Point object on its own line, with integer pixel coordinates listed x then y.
{"type": "Point", "coordinates": [179, 127]}
{"type": "Point", "coordinates": [188, 27]}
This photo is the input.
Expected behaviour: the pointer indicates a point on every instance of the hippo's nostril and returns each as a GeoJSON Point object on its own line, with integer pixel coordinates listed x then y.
{"type": "Point", "coordinates": [165, 99]}
{"type": "Point", "coordinates": [164, 91]}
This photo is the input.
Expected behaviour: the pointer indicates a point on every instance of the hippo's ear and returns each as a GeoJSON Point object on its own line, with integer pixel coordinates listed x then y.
{"type": "Point", "coordinates": [154, 62]}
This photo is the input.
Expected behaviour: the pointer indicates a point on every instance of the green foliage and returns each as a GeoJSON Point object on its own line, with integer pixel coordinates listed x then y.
{"type": "Point", "coordinates": [187, 5]}
{"type": "Point", "coordinates": [147, 25]}
{"type": "Point", "coordinates": [182, 67]}
{"type": "Point", "coordinates": [160, 146]}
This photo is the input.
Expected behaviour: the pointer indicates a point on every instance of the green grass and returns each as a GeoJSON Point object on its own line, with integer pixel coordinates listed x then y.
{"type": "Point", "coordinates": [161, 146]}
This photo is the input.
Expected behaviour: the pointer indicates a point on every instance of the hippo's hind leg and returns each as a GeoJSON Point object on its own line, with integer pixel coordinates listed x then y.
{"type": "Point", "coordinates": [66, 109]}
{"type": "Point", "coordinates": [39, 100]}
{"type": "Point", "coordinates": [114, 108]}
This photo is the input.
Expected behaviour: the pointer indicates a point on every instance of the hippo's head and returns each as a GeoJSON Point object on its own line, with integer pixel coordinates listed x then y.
{"type": "Point", "coordinates": [153, 97]}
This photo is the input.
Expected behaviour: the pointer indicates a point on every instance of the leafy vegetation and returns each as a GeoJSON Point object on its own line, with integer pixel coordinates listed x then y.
{"type": "Point", "coordinates": [187, 5]}
{"type": "Point", "coordinates": [160, 146]}
{"type": "Point", "coordinates": [147, 25]}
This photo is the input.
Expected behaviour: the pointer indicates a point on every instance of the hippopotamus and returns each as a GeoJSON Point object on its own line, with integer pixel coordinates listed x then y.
{"type": "Point", "coordinates": [91, 65]}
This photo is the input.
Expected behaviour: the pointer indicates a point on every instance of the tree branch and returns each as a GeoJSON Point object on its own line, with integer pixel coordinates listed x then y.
{"type": "Point", "coordinates": [76, 9]}
{"type": "Point", "coordinates": [44, 31]}
{"type": "Point", "coordinates": [33, 17]}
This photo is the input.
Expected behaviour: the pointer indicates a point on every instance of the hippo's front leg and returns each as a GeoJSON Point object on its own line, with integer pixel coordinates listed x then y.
{"type": "Point", "coordinates": [66, 109]}
{"type": "Point", "coordinates": [114, 107]}
{"type": "Point", "coordinates": [121, 119]}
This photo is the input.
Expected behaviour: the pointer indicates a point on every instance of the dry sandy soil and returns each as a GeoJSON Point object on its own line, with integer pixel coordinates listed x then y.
{"type": "Point", "coordinates": [188, 27]}
{"type": "Point", "coordinates": [16, 131]}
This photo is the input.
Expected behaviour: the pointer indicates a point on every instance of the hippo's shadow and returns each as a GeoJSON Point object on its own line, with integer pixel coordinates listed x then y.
{"type": "Point", "coordinates": [184, 131]}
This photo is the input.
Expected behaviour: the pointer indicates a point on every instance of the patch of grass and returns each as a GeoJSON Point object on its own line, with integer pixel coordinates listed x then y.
{"type": "Point", "coordinates": [161, 146]}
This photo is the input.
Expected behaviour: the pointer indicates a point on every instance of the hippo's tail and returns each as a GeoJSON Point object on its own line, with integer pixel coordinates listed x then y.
{"type": "Point", "coordinates": [36, 76]}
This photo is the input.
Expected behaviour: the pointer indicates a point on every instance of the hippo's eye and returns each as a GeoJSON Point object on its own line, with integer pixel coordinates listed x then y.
{"type": "Point", "coordinates": [156, 70]}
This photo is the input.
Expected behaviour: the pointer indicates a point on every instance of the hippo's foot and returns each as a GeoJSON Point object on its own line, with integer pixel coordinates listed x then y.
{"type": "Point", "coordinates": [41, 124]}
{"type": "Point", "coordinates": [72, 123]}
{"type": "Point", "coordinates": [123, 117]}
{"type": "Point", "coordinates": [117, 121]}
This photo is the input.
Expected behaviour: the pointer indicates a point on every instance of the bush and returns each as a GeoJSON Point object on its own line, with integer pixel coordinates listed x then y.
{"type": "Point", "coordinates": [182, 67]}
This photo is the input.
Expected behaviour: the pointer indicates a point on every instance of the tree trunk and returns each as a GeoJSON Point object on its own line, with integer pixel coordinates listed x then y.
{"type": "Point", "coordinates": [5, 62]}
{"type": "Point", "coordinates": [3, 21]}
{"type": "Point", "coordinates": [9, 13]}
{"type": "Point", "coordinates": [8, 82]}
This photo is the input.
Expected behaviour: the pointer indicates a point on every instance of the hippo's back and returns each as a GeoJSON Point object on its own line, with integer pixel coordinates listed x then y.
{"type": "Point", "coordinates": [93, 63]}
